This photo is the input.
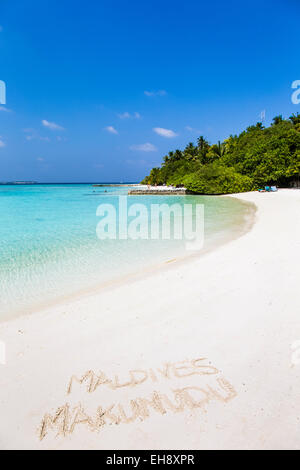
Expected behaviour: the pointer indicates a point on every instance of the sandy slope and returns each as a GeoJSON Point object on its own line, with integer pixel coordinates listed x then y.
{"type": "Point", "coordinates": [212, 338]}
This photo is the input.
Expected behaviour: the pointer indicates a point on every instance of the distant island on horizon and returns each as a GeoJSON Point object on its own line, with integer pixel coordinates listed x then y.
{"type": "Point", "coordinates": [17, 182]}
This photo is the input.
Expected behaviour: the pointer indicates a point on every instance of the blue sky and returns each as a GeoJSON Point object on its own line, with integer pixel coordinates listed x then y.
{"type": "Point", "coordinates": [100, 91]}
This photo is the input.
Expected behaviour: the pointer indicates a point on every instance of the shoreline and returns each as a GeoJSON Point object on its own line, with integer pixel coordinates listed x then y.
{"type": "Point", "coordinates": [139, 273]}
{"type": "Point", "coordinates": [197, 356]}
{"type": "Point", "coordinates": [147, 190]}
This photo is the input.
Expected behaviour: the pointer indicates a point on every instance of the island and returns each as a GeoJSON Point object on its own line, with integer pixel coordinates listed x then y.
{"type": "Point", "coordinates": [257, 157]}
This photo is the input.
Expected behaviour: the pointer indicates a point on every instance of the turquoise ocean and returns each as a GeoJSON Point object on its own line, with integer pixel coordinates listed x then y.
{"type": "Point", "coordinates": [49, 249]}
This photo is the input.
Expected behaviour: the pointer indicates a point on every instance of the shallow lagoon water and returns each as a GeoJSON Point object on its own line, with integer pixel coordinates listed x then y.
{"type": "Point", "coordinates": [49, 247]}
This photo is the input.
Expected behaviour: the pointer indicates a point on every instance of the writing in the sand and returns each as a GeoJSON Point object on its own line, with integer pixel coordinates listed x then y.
{"type": "Point", "coordinates": [67, 418]}
{"type": "Point", "coordinates": [138, 376]}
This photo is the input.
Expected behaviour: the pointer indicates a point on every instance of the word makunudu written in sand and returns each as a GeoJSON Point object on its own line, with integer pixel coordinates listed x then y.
{"type": "Point", "coordinates": [67, 418]}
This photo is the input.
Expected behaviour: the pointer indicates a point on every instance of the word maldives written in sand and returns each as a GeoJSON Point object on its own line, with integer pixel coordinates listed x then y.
{"type": "Point", "coordinates": [67, 418]}
{"type": "Point", "coordinates": [138, 376]}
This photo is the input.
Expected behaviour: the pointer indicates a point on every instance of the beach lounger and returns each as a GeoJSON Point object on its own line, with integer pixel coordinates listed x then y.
{"type": "Point", "coordinates": [274, 189]}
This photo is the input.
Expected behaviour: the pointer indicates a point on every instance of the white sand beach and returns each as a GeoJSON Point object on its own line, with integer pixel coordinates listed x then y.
{"type": "Point", "coordinates": [200, 356]}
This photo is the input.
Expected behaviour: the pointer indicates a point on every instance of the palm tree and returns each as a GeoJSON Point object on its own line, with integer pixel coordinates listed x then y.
{"type": "Point", "coordinates": [168, 157]}
{"type": "Point", "coordinates": [190, 151]}
{"type": "Point", "coordinates": [216, 151]}
{"type": "Point", "coordinates": [203, 148]}
{"type": "Point", "coordinates": [277, 120]}
{"type": "Point", "coordinates": [220, 149]}
{"type": "Point", "coordinates": [178, 155]}
{"type": "Point", "coordinates": [295, 118]}
{"type": "Point", "coordinates": [202, 143]}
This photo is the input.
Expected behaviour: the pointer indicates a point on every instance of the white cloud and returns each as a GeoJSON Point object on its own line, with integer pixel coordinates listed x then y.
{"type": "Point", "coordinates": [2, 143]}
{"type": "Point", "coordinates": [52, 125]}
{"type": "Point", "coordinates": [192, 129]}
{"type": "Point", "coordinates": [127, 115]}
{"type": "Point", "coordinates": [111, 129]}
{"type": "Point", "coordinates": [34, 135]}
{"type": "Point", "coordinates": [168, 133]}
{"type": "Point", "coordinates": [40, 160]}
{"type": "Point", "coordinates": [144, 147]}
{"type": "Point", "coordinates": [37, 137]}
{"type": "Point", "coordinates": [155, 93]}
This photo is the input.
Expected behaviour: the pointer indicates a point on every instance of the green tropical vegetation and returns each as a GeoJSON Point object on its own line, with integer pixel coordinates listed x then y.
{"type": "Point", "coordinates": [257, 157]}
